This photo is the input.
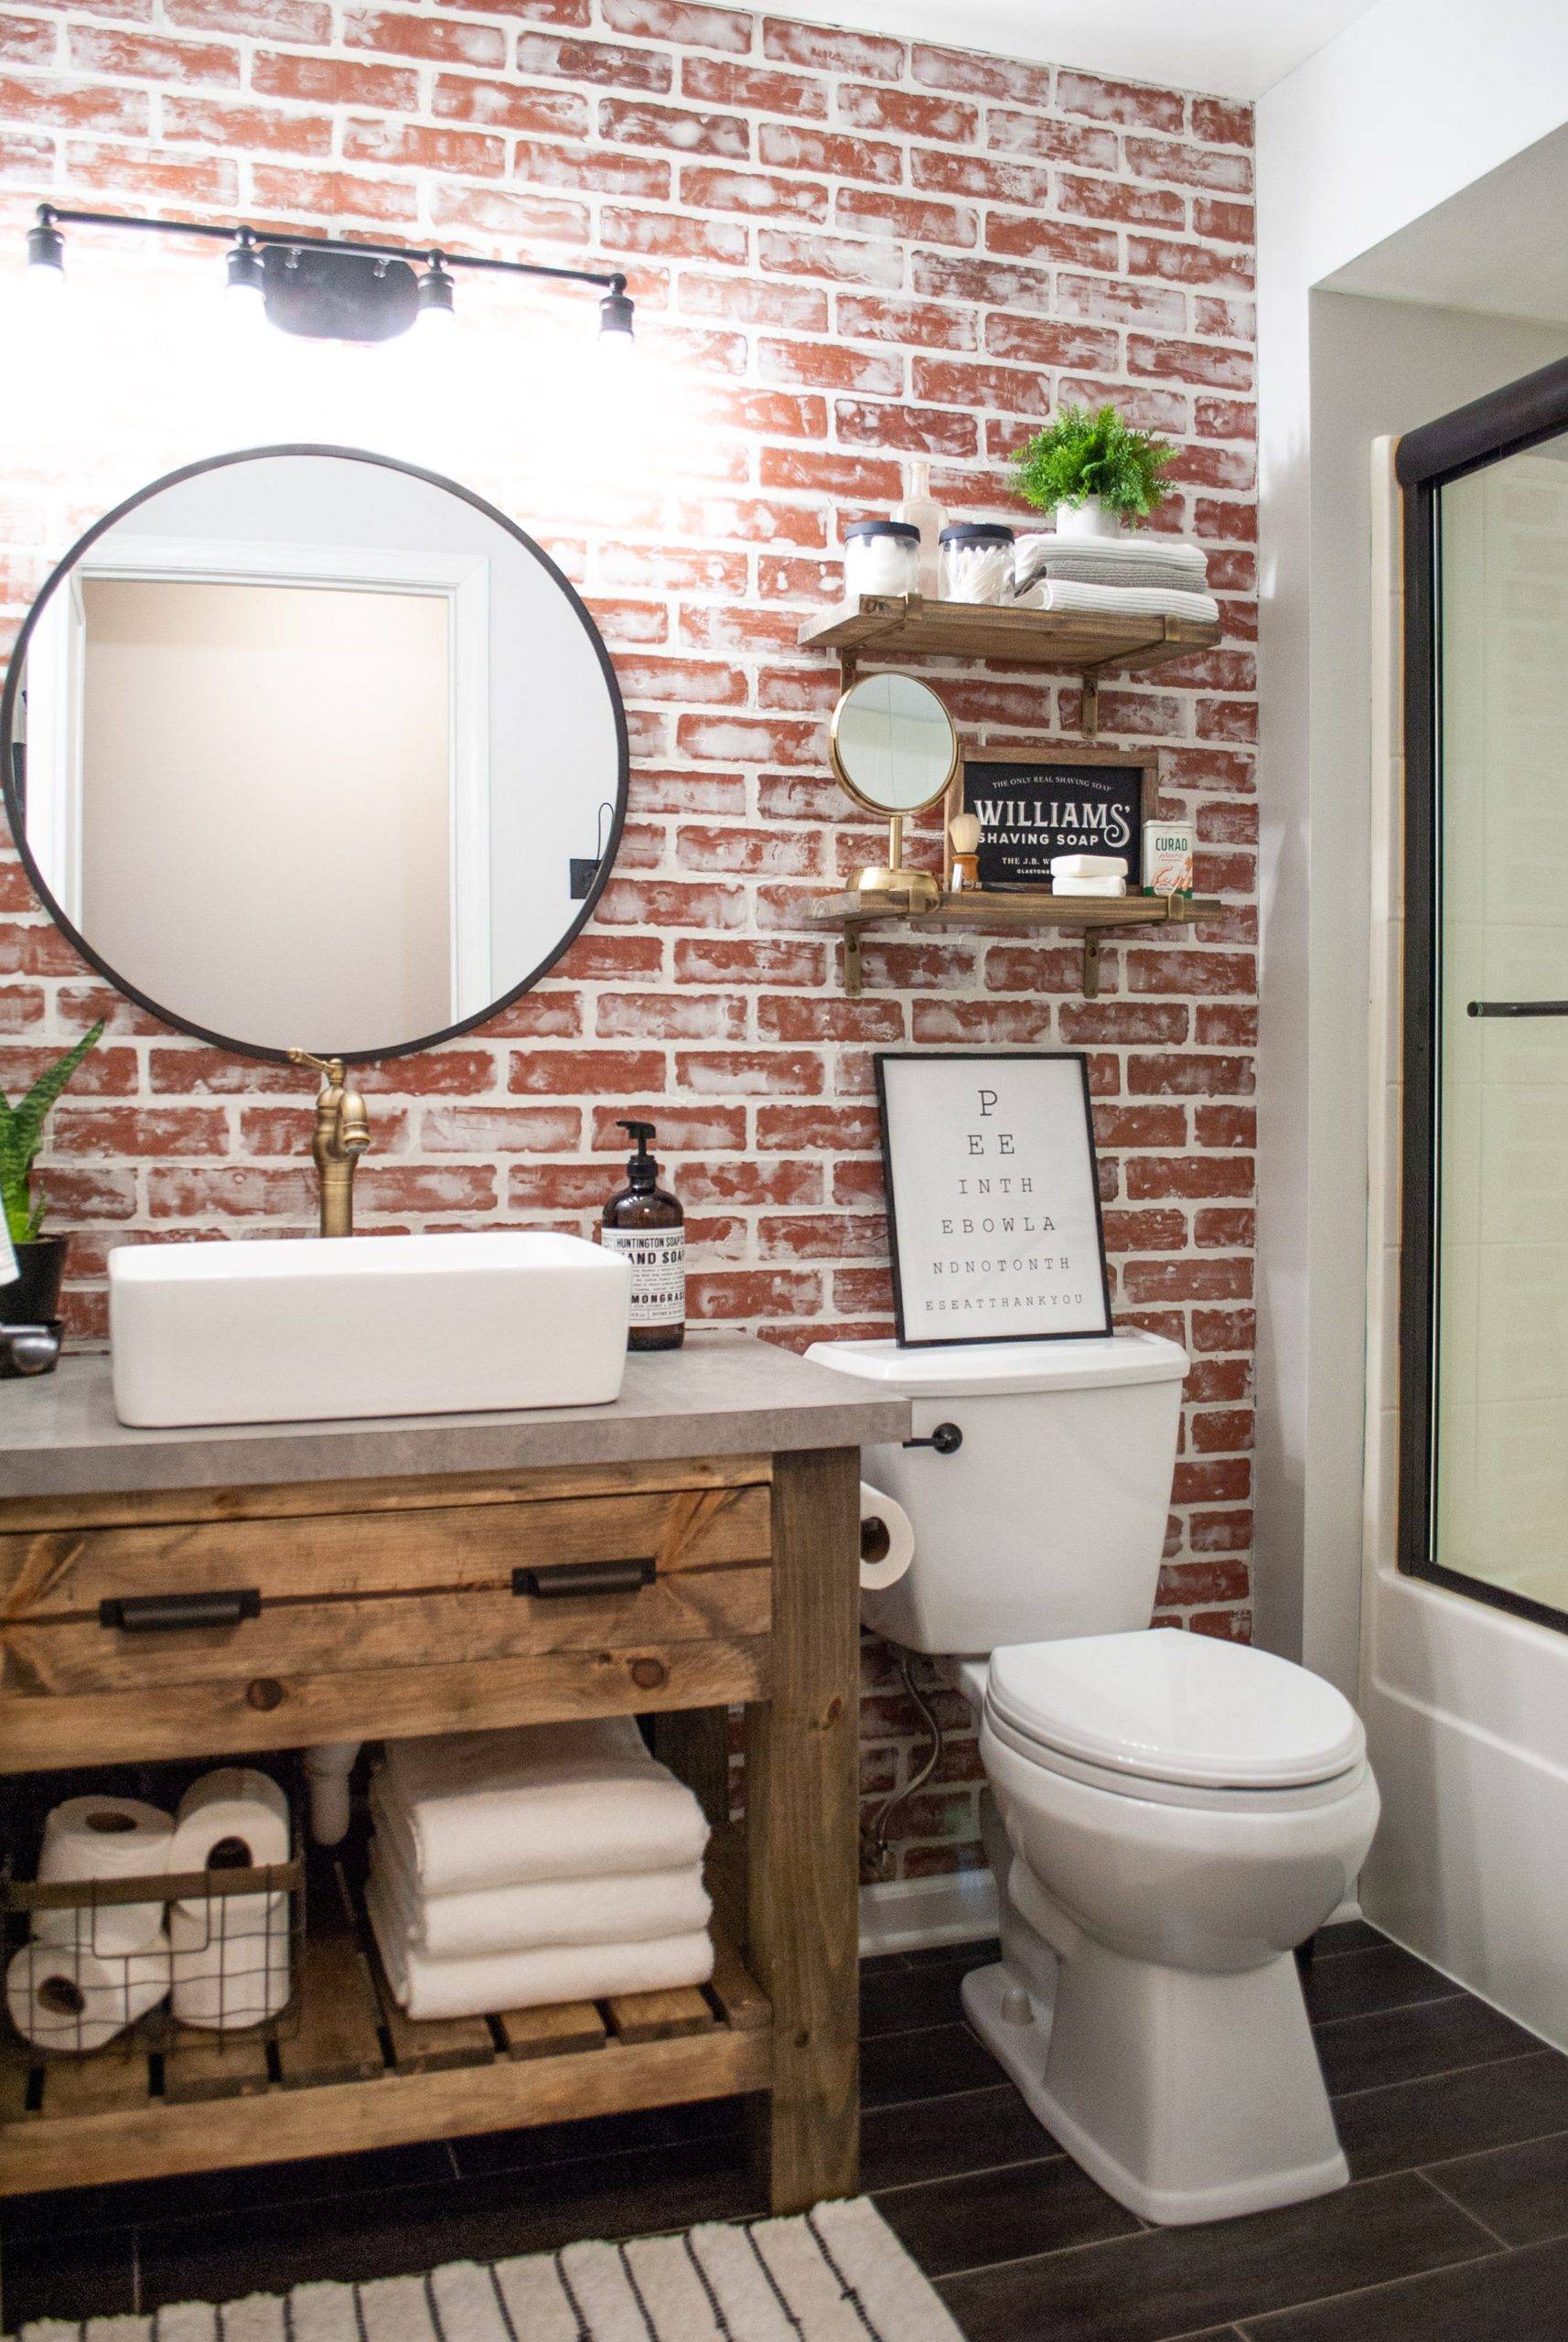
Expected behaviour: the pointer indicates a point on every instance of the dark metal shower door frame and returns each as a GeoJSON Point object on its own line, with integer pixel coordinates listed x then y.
{"type": "Point", "coordinates": [1506, 422]}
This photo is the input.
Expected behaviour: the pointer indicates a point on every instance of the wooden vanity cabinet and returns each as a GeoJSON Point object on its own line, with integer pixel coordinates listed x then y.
{"type": "Point", "coordinates": [171, 1624]}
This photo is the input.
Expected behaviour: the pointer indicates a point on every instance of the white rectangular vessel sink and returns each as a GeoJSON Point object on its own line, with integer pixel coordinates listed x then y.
{"type": "Point", "coordinates": [307, 1328]}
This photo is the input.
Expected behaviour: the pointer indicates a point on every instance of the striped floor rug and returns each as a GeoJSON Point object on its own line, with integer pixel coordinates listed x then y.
{"type": "Point", "coordinates": [837, 2274]}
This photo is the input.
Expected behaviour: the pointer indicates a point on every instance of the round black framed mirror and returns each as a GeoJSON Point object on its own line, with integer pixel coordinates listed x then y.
{"type": "Point", "coordinates": [305, 747]}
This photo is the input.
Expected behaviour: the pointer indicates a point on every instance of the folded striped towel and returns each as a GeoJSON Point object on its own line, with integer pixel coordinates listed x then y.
{"type": "Point", "coordinates": [1108, 571]}
{"type": "Point", "coordinates": [1038, 555]}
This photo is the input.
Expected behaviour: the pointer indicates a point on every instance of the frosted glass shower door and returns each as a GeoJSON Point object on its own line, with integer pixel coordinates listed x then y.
{"type": "Point", "coordinates": [1500, 1510]}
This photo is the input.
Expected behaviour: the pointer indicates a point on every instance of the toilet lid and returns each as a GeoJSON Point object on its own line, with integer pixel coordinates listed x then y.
{"type": "Point", "coordinates": [1162, 1705]}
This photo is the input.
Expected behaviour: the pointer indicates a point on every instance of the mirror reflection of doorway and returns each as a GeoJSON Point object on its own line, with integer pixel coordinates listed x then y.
{"type": "Point", "coordinates": [340, 763]}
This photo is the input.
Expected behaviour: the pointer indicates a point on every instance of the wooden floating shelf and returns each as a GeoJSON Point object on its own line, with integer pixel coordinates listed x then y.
{"type": "Point", "coordinates": [1008, 915]}
{"type": "Point", "coordinates": [346, 2070]}
{"type": "Point", "coordinates": [906, 626]}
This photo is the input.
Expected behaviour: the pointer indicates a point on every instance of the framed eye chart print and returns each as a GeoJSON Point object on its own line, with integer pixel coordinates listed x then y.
{"type": "Point", "coordinates": [993, 1197]}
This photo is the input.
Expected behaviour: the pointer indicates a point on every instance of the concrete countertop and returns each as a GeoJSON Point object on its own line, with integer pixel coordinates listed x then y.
{"type": "Point", "coordinates": [723, 1395]}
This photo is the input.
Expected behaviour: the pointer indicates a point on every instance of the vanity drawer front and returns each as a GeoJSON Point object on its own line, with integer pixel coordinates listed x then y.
{"type": "Point", "coordinates": [323, 1593]}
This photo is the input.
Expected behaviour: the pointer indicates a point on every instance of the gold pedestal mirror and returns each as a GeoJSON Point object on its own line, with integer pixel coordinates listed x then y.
{"type": "Point", "coordinates": [893, 750]}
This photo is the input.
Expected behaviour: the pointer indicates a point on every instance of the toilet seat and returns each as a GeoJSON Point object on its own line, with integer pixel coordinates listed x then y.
{"type": "Point", "coordinates": [1051, 1764]}
{"type": "Point", "coordinates": [1180, 1718]}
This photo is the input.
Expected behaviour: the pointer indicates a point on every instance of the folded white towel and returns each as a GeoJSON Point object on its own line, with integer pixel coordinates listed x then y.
{"type": "Point", "coordinates": [1120, 601]}
{"type": "Point", "coordinates": [1034, 554]}
{"type": "Point", "coordinates": [625, 1908]}
{"type": "Point", "coordinates": [478, 1810]}
{"type": "Point", "coordinates": [528, 1980]}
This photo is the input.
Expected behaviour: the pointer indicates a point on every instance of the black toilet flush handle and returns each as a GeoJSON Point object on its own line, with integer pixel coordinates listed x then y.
{"type": "Point", "coordinates": [947, 1439]}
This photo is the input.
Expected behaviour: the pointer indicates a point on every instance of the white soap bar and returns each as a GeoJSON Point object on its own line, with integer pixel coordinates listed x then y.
{"type": "Point", "coordinates": [1088, 865]}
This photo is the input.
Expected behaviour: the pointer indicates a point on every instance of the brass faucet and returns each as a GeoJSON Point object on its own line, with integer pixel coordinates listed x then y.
{"type": "Point", "coordinates": [342, 1134]}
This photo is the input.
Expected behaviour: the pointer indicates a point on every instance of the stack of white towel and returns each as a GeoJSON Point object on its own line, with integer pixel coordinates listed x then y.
{"type": "Point", "coordinates": [1135, 576]}
{"type": "Point", "coordinates": [550, 1863]}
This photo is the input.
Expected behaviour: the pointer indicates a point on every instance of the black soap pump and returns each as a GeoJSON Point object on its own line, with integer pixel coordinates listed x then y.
{"type": "Point", "coordinates": [647, 1227]}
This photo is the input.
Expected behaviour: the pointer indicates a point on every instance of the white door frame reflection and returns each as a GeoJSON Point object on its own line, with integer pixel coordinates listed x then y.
{"type": "Point", "coordinates": [55, 783]}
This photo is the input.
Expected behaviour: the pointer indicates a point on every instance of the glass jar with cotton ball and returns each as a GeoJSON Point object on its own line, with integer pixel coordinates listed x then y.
{"type": "Point", "coordinates": [881, 557]}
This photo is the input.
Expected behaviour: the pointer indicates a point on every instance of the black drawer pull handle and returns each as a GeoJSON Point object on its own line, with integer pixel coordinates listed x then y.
{"type": "Point", "coordinates": [1518, 1008]}
{"type": "Point", "coordinates": [166, 1614]}
{"type": "Point", "coordinates": [563, 1578]}
{"type": "Point", "coordinates": [947, 1439]}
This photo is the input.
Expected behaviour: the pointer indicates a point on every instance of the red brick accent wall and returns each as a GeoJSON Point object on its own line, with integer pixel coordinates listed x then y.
{"type": "Point", "coordinates": [852, 251]}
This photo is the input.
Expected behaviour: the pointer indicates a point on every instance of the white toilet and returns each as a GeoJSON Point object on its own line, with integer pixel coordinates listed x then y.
{"type": "Point", "coordinates": [1176, 1812]}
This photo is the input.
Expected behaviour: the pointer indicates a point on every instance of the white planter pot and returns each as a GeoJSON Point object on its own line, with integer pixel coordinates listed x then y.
{"type": "Point", "coordinates": [1089, 518]}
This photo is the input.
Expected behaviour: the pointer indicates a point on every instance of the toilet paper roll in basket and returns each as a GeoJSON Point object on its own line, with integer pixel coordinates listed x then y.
{"type": "Point", "coordinates": [64, 1999]}
{"type": "Point", "coordinates": [231, 1959]}
{"type": "Point", "coordinates": [234, 1819]}
{"type": "Point", "coordinates": [105, 1838]}
{"type": "Point", "coordinates": [887, 1539]}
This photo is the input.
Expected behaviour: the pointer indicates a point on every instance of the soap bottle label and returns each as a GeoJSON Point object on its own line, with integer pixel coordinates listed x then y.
{"type": "Point", "coordinates": [658, 1257]}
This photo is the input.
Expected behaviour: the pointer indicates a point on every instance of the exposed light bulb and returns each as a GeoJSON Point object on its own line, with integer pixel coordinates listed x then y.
{"type": "Point", "coordinates": [245, 302]}
{"type": "Point", "coordinates": [45, 278]}
{"type": "Point", "coordinates": [437, 309]}
{"type": "Point", "coordinates": [616, 312]}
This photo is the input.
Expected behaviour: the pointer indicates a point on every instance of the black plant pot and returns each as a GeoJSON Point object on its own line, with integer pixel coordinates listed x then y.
{"type": "Point", "coordinates": [32, 1299]}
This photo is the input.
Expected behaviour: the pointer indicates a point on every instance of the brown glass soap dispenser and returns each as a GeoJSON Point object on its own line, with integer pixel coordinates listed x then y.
{"type": "Point", "coordinates": [647, 1227]}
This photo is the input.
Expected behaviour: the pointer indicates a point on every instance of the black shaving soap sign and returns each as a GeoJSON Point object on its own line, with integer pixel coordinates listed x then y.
{"type": "Point", "coordinates": [1034, 806]}
{"type": "Point", "coordinates": [994, 1197]}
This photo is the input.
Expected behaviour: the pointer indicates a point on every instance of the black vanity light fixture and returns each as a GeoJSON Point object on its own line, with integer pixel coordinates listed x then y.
{"type": "Point", "coordinates": [328, 288]}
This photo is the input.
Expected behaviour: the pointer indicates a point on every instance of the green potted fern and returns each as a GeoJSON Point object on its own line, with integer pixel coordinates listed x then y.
{"type": "Point", "coordinates": [1092, 470]}
{"type": "Point", "coordinates": [34, 1298]}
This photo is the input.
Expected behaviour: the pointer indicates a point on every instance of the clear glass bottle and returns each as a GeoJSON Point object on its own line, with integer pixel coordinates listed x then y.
{"type": "Point", "coordinates": [922, 512]}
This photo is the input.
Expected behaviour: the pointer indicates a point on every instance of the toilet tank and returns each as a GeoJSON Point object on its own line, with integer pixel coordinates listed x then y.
{"type": "Point", "coordinates": [1049, 1519]}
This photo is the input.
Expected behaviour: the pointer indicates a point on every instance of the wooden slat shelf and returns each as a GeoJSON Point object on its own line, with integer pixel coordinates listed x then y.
{"type": "Point", "coordinates": [906, 626]}
{"type": "Point", "coordinates": [348, 2070]}
{"type": "Point", "coordinates": [971, 913]}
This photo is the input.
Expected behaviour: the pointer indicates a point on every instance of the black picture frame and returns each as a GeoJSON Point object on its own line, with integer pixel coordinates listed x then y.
{"type": "Point", "coordinates": [1505, 423]}
{"type": "Point", "coordinates": [1110, 778]}
{"type": "Point", "coordinates": [12, 778]}
{"type": "Point", "coordinates": [902, 1216]}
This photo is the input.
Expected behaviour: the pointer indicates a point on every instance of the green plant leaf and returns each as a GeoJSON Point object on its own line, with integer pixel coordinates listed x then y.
{"type": "Point", "coordinates": [1082, 453]}
{"type": "Point", "coordinates": [22, 1135]}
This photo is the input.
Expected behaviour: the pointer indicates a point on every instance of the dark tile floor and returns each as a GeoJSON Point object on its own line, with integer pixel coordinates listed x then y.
{"type": "Point", "coordinates": [1455, 2228]}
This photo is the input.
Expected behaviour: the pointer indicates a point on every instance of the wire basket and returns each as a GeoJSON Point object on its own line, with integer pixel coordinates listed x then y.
{"type": "Point", "coordinates": [221, 1959]}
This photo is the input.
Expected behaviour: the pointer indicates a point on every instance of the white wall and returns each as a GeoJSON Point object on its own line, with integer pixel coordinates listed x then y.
{"type": "Point", "coordinates": [1405, 110]}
